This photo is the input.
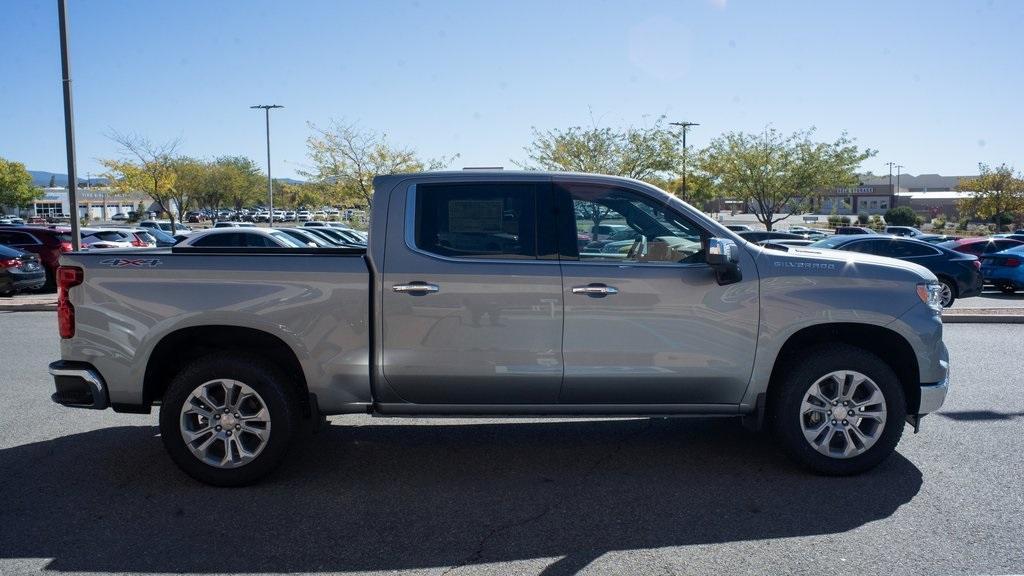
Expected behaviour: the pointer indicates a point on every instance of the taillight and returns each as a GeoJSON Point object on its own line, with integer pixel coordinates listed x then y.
{"type": "Point", "coordinates": [1011, 262]}
{"type": "Point", "coordinates": [11, 263]}
{"type": "Point", "coordinates": [66, 247]}
{"type": "Point", "coordinates": [67, 278]}
{"type": "Point", "coordinates": [976, 264]}
{"type": "Point", "coordinates": [139, 242]}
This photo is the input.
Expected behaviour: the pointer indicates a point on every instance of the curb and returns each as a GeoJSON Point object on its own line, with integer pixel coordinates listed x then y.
{"type": "Point", "coordinates": [41, 307]}
{"type": "Point", "coordinates": [983, 318]}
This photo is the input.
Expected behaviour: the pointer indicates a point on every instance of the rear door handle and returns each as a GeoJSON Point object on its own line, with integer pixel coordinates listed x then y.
{"type": "Point", "coordinates": [417, 288]}
{"type": "Point", "coordinates": [595, 290]}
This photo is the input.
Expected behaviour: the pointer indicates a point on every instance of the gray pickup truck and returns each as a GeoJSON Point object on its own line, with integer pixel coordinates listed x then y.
{"type": "Point", "coordinates": [494, 294]}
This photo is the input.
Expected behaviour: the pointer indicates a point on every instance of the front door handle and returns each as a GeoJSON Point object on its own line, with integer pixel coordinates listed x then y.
{"type": "Point", "coordinates": [597, 290]}
{"type": "Point", "coordinates": [416, 288]}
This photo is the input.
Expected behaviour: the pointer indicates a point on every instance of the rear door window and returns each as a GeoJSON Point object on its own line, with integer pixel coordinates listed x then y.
{"type": "Point", "coordinates": [13, 238]}
{"type": "Point", "coordinates": [491, 220]}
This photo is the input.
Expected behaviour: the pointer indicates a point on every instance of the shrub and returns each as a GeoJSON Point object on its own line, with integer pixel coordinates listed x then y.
{"type": "Point", "coordinates": [845, 220]}
{"type": "Point", "coordinates": [834, 220]}
{"type": "Point", "coordinates": [862, 218]}
{"type": "Point", "coordinates": [901, 216]}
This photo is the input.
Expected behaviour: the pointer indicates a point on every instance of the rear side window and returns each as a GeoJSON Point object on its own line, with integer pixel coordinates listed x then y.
{"type": "Point", "coordinates": [221, 240]}
{"type": "Point", "coordinates": [110, 236]}
{"type": "Point", "coordinates": [477, 220]}
{"type": "Point", "coordinates": [17, 238]}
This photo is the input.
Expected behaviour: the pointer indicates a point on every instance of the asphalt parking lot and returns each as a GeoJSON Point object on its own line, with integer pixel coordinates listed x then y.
{"type": "Point", "coordinates": [93, 491]}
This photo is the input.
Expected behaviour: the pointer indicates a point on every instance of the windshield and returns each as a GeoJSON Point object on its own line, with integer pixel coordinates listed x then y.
{"type": "Point", "coordinates": [288, 240]}
{"type": "Point", "coordinates": [830, 242]}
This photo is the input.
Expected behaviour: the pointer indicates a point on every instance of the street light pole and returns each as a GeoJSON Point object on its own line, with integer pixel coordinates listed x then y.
{"type": "Point", "coordinates": [891, 191]}
{"type": "Point", "coordinates": [685, 126]}
{"type": "Point", "coordinates": [898, 168]}
{"type": "Point", "coordinates": [270, 183]}
{"type": "Point", "coordinates": [69, 125]}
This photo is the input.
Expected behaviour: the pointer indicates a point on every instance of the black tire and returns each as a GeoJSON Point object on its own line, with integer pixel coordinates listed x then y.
{"type": "Point", "coordinates": [274, 388]}
{"type": "Point", "coordinates": [786, 397]}
{"type": "Point", "coordinates": [1007, 289]}
{"type": "Point", "coordinates": [952, 291]}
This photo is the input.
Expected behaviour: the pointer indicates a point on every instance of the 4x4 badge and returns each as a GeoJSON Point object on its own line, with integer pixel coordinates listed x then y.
{"type": "Point", "coordinates": [131, 262]}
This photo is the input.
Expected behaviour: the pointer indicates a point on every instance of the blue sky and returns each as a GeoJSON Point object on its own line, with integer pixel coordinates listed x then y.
{"type": "Point", "coordinates": [934, 85]}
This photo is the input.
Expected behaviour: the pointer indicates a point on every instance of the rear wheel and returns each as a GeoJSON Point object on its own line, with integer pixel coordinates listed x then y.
{"type": "Point", "coordinates": [948, 293]}
{"type": "Point", "coordinates": [840, 410]}
{"type": "Point", "coordinates": [1007, 288]}
{"type": "Point", "coordinates": [228, 420]}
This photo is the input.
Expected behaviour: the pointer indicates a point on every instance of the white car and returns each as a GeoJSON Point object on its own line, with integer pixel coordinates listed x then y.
{"type": "Point", "coordinates": [241, 238]}
{"type": "Point", "coordinates": [304, 215]}
{"type": "Point", "coordinates": [97, 238]}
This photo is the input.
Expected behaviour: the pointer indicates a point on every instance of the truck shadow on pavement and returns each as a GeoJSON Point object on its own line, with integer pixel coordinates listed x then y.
{"type": "Point", "coordinates": [392, 495]}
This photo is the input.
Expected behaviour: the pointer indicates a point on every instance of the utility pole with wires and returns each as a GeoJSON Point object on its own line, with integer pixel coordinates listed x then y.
{"type": "Point", "coordinates": [685, 126]}
{"type": "Point", "coordinates": [270, 183]}
{"type": "Point", "coordinates": [892, 192]}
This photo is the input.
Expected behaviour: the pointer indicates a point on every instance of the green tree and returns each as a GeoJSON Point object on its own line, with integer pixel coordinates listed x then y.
{"type": "Point", "coordinates": [775, 173]}
{"type": "Point", "coordinates": [145, 167]}
{"type": "Point", "coordinates": [901, 216]}
{"type": "Point", "coordinates": [16, 187]}
{"type": "Point", "coordinates": [994, 192]}
{"type": "Point", "coordinates": [346, 159]}
{"type": "Point", "coordinates": [649, 153]}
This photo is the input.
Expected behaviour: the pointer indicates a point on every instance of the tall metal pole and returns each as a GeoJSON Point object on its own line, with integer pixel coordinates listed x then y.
{"type": "Point", "coordinates": [891, 191]}
{"type": "Point", "coordinates": [69, 125]}
{"type": "Point", "coordinates": [270, 182]}
{"type": "Point", "coordinates": [898, 168]}
{"type": "Point", "coordinates": [685, 126]}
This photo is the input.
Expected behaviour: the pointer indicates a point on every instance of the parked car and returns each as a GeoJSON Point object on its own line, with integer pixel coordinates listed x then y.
{"type": "Point", "coordinates": [19, 271]}
{"type": "Point", "coordinates": [908, 231]}
{"type": "Point", "coordinates": [102, 238]}
{"type": "Point", "coordinates": [739, 227]}
{"type": "Point", "coordinates": [620, 236]}
{"type": "Point", "coordinates": [119, 217]}
{"type": "Point", "coordinates": [981, 246]}
{"type": "Point", "coordinates": [224, 224]}
{"type": "Point", "coordinates": [163, 239]}
{"type": "Point", "coordinates": [143, 237]}
{"type": "Point", "coordinates": [334, 241]}
{"type": "Point", "coordinates": [847, 230]}
{"type": "Point", "coordinates": [249, 347]}
{"type": "Point", "coordinates": [47, 243]}
{"type": "Point", "coordinates": [959, 274]}
{"type": "Point", "coordinates": [785, 244]}
{"type": "Point", "coordinates": [14, 220]}
{"type": "Point", "coordinates": [304, 215]}
{"type": "Point", "coordinates": [307, 237]}
{"type": "Point", "coordinates": [1004, 269]}
{"type": "Point", "coordinates": [166, 226]}
{"type": "Point", "coordinates": [328, 225]}
{"type": "Point", "coordinates": [759, 235]}
{"type": "Point", "coordinates": [340, 235]}
{"type": "Point", "coordinates": [240, 238]}
{"type": "Point", "coordinates": [937, 238]}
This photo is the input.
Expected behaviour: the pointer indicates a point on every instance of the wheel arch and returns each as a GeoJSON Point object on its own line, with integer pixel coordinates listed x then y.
{"type": "Point", "coordinates": [883, 342]}
{"type": "Point", "coordinates": [181, 346]}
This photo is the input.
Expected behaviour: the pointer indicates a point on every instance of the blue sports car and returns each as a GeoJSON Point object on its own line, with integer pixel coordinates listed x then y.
{"type": "Point", "coordinates": [1004, 270]}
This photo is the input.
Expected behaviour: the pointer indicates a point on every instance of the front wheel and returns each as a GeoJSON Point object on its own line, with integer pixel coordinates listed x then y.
{"type": "Point", "coordinates": [228, 420]}
{"type": "Point", "coordinates": [839, 411]}
{"type": "Point", "coordinates": [1007, 288]}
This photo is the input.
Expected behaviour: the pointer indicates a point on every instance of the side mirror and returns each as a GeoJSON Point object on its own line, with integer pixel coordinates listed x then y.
{"type": "Point", "coordinates": [723, 257]}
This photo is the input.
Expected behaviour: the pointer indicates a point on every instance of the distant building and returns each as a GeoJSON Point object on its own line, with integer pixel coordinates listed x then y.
{"type": "Point", "coordinates": [93, 203]}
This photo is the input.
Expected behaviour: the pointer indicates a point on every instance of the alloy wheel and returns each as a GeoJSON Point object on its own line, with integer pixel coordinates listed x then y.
{"type": "Point", "coordinates": [843, 414]}
{"type": "Point", "coordinates": [225, 423]}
